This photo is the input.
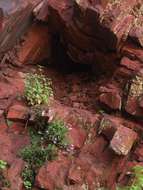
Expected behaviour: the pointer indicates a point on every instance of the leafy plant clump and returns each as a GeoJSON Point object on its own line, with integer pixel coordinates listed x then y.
{"type": "Point", "coordinates": [137, 179]}
{"type": "Point", "coordinates": [56, 133]}
{"type": "Point", "coordinates": [38, 89]}
{"type": "Point", "coordinates": [46, 138]}
{"type": "Point", "coordinates": [3, 181]}
{"type": "Point", "coordinates": [28, 177]}
{"type": "Point", "coordinates": [35, 155]}
{"type": "Point", "coordinates": [3, 165]}
{"type": "Point", "coordinates": [53, 132]}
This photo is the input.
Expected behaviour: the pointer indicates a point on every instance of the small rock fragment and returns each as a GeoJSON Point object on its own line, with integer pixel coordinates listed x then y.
{"type": "Point", "coordinates": [123, 140]}
{"type": "Point", "coordinates": [107, 127]}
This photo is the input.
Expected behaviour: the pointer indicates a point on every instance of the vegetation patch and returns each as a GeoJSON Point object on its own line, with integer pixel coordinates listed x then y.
{"type": "Point", "coordinates": [35, 155]}
{"type": "Point", "coordinates": [28, 176]}
{"type": "Point", "coordinates": [46, 138]}
{"type": "Point", "coordinates": [38, 89]}
{"type": "Point", "coordinates": [56, 133]}
{"type": "Point", "coordinates": [3, 164]}
{"type": "Point", "coordinates": [4, 183]}
{"type": "Point", "coordinates": [53, 132]}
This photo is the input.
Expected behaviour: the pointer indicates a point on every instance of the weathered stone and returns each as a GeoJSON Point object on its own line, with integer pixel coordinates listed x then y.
{"type": "Point", "coordinates": [36, 46]}
{"type": "Point", "coordinates": [53, 174]}
{"type": "Point", "coordinates": [123, 140]}
{"type": "Point", "coordinates": [108, 126]}
{"type": "Point", "coordinates": [130, 64]}
{"type": "Point", "coordinates": [75, 174]}
{"type": "Point", "coordinates": [18, 112]}
{"type": "Point", "coordinates": [139, 153]}
{"type": "Point", "coordinates": [76, 136]}
{"type": "Point", "coordinates": [112, 100]}
{"type": "Point", "coordinates": [135, 93]}
{"type": "Point", "coordinates": [1, 19]}
{"type": "Point", "coordinates": [136, 32]}
{"type": "Point", "coordinates": [132, 51]}
{"type": "Point", "coordinates": [110, 96]}
{"type": "Point", "coordinates": [11, 141]}
{"type": "Point", "coordinates": [14, 174]}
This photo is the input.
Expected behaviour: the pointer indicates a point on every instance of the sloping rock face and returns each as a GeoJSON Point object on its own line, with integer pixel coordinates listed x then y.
{"type": "Point", "coordinates": [108, 35]}
{"type": "Point", "coordinates": [91, 29]}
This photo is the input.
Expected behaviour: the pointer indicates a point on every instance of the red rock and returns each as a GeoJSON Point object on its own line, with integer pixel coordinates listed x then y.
{"type": "Point", "coordinates": [1, 18]}
{"type": "Point", "coordinates": [93, 178]}
{"type": "Point", "coordinates": [40, 11]}
{"type": "Point", "coordinates": [71, 115]}
{"type": "Point", "coordinates": [133, 107]}
{"type": "Point", "coordinates": [110, 96]}
{"type": "Point", "coordinates": [11, 143]}
{"type": "Point", "coordinates": [94, 21]}
{"type": "Point", "coordinates": [14, 174]}
{"type": "Point", "coordinates": [18, 112]}
{"type": "Point", "coordinates": [36, 46]}
{"type": "Point", "coordinates": [108, 126]}
{"type": "Point", "coordinates": [53, 174]}
{"type": "Point", "coordinates": [123, 140]}
{"type": "Point", "coordinates": [136, 32]}
{"type": "Point", "coordinates": [76, 136]}
{"type": "Point", "coordinates": [140, 102]}
{"type": "Point", "coordinates": [139, 153]}
{"type": "Point", "coordinates": [133, 52]}
{"type": "Point", "coordinates": [91, 164]}
{"type": "Point", "coordinates": [60, 13]}
{"type": "Point", "coordinates": [122, 75]}
{"type": "Point", "coordinates": [1, 113]}
{"type": "Point", "coordinates": [130, 64]}
{"type": "Point", "coordinates": [135, 95]}
{"type": "Point", "coordinates": [5, 90]}
{"type": "Point", "coordinates": [75, 174]}
{"type": "Point", "coordinates": [112, 100]}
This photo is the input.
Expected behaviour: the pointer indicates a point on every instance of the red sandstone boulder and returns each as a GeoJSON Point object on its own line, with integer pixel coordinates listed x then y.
{"type": "Point", "coordinates": [123, 140]}
{"type": "Point", "coordinates": [36, 46]}
{"type": "Point", "coordinates": [18, 112]}
{"type": "Point", "coordinates": [111, 97]}
{"type": "Point", "coordinates": [112, 100]}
